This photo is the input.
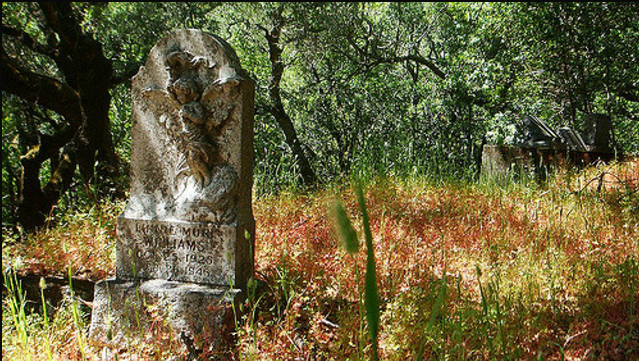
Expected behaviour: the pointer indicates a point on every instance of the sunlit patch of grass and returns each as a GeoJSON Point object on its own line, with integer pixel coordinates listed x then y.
{"type": "Point", "coordinates": [81, 241]}
{"type": "Point", "coordinates": [526, 271]}
{"type": "Point", "coordinates": [51, 336]}
{"type": "Point", "coordinates": [551, 260]}
{"type": "Point", "coordinates": [61, 334]}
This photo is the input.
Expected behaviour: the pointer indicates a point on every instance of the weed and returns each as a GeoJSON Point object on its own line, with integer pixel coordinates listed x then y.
{"type": "Point", "coordinates": [350, 242]}
{"type": "Point", "coordinates": [16, 304]}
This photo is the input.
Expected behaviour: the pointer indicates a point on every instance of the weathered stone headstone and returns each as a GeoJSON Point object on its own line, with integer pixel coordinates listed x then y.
{"type": "Point", "coordinates": [598, 132]}
{"type": "Point", "coordinates": [571, 139]}
{"type": "Point", "coordinates": [540, 150]}
{"type": "Point", "coordinates": [537, 134]}
{"type": "Point", "coordinates": [185, 237]}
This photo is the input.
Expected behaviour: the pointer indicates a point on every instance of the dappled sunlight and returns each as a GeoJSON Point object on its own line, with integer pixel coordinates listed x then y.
{"type": "Point", "coordinates": [464, 271]}
{"type": "Point", "coordinates": [535, 256]}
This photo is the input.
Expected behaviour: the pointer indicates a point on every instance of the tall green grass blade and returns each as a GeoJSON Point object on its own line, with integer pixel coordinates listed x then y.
{"type": "Point", "coordinates": [345, 229]}
{"type": "Point", "coordinates": [77, 318]}
{"type": "Point", "coordinates": [350, 242]}
{"type": "Point", "coordinates": [45, 316]}
{"type": "Point", "coordinates": [437, 311]}
{"type": "Point", "coordinates": [371, 297]}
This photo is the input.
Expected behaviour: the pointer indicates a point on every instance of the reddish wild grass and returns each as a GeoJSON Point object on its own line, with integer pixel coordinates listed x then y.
{"type": "Point", "coordinates": [82, 242]}
{"type": "Point", "coordinates": [465, 271]}
{"type": "Point", "coordinates": [558, 265]}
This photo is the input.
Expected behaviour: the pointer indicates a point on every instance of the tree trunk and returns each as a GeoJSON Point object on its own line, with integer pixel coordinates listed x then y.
{"type": "Point", "coordinates": [35, 204]}
{"type": "Point", "coordinates": [89, 72]}
{"type": "Point", "coordinates": [279, 113]}
{"type": "Point", "coordinates": [82, 100]}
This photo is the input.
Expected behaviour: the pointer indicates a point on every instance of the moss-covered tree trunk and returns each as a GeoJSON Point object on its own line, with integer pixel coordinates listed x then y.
{"type": "Point", "coordinates": [80, 97]}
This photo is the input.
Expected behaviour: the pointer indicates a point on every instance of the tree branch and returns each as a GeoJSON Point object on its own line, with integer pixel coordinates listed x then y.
{"type": "Point", "coordinates": [60, 18]}
{"type": "Point", "coordinates": [378, 59]}
{"type": "Point", "coordinates": [427, 63]}
{"type": "Point", "coordinates": [629, 95]}
{"type": "Point", "coordinates": [43, 90]}
{"type": "Point", "coordinates": [126, 75]}
{"type": "Point", "coordinates": [26, 40]}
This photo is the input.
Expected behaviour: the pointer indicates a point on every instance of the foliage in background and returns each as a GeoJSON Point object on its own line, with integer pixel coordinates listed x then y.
{"type": "Point", "coordinates": [359, 88]}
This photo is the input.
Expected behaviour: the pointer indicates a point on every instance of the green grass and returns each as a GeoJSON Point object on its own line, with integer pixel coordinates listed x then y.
{"type": "Point", "coordinates": [29, 335]}
{"type": "Point", "coordinates": [462, 271]}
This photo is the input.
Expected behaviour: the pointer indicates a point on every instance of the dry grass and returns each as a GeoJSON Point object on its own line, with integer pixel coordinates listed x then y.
{"type": "Point", "coordinates": [465, 272]}
{"type": "Point", "coordinates": [82, 242]}
{"type": "Point", "coordinates": [558, 271]}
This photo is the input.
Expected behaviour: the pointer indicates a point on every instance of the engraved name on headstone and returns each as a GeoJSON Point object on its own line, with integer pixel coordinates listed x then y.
{"type": "Point", "coordinates": [180, 251]}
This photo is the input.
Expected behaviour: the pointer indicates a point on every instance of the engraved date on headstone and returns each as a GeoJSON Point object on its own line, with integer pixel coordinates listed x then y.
{"type": "Point", "coordinates": [181, 251]}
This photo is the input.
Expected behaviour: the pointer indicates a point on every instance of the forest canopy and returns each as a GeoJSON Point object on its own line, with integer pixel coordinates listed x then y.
{"type": "Point", "coordinates": [341, 88]}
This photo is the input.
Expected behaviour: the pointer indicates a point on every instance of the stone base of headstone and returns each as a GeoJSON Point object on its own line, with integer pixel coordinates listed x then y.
{"type": "Point", "coordinates": [201, 317]}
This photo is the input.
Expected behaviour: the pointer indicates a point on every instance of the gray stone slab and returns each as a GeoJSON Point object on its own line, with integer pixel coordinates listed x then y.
{"type": "Point", "coordinates": [598, 132]}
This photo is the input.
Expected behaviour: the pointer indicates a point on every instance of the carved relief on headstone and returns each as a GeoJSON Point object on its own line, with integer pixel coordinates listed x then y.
{"type": "Point", "coordinates": [192, 97]}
